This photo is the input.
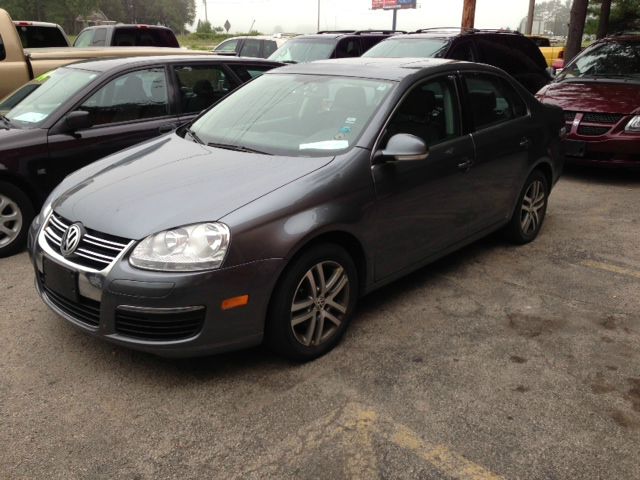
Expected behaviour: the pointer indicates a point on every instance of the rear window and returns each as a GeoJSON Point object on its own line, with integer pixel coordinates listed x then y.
{"type": "Point", "coordinates": [144, 36]}
{"type": "Point", "coordinates": [41, 37]}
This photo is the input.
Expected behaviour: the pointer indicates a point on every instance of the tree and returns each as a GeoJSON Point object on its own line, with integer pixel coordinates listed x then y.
{"type": "Point", "coordinates": [203, 27]}
{"type": "Point", "coordinates": [577, 20]}
{"type": "Point", "coordinates": [554, 15]}
{"type": "Point", "coordinates": [624, 16]}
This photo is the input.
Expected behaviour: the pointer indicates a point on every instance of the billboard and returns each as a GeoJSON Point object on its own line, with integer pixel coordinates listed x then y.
{"type": "Point", "coordinates": [392, 4]}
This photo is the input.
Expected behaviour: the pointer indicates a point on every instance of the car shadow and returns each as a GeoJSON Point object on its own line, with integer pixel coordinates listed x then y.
{"type": "Point", "coordinates": [602, 175]}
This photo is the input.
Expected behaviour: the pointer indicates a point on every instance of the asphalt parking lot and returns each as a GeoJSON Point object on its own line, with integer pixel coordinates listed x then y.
{"type": "Point", "coordinates": [496, 362]}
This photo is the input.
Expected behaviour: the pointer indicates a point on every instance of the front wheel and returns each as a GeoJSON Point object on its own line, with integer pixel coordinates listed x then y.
{"type": "Point", "coordinates": [526, 222]}
{"type": "Point", "coordinates": [16, 213]}
{"type": "Point", "coordinates": [313, 303]}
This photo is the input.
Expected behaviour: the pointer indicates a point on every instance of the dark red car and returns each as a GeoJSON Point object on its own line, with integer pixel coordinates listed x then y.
{"type": "Point", "coordinates": [599, 92]}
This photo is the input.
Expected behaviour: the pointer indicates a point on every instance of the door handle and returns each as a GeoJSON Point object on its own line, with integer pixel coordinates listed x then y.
{"type": "Point", "coordinates": [524, 142]}
{"type": "Point", "coordinates": [466, 164]}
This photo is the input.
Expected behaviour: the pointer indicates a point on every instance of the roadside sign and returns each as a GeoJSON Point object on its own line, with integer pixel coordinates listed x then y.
{"type": "Point", "coordinates": [392, 4]}
{"type": "Point", "coordinates": [227, 26]}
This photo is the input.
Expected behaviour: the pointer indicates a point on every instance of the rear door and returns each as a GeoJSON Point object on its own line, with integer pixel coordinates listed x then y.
{"type": "Point", "coordinates": [503, 134]}
{"type": "Point", "coordinates": [126, 110]}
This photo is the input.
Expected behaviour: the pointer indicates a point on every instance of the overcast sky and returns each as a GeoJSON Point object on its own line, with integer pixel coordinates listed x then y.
{"type": "Point", "coordinates": [301, 15]}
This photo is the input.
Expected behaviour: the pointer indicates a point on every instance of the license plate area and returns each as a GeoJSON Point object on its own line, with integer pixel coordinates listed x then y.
{"type": "Point", "coordinates": [60, 280]}
{"type": "Point", "coordinates": [575, 148]}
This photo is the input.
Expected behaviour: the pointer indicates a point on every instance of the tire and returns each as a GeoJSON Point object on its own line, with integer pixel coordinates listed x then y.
{"type": "Point", "coordinates": [16, 214]}
{"type": "Point", "coordinates": [527, 219]}
{"type": "Point", "coordinates": [317, 322]}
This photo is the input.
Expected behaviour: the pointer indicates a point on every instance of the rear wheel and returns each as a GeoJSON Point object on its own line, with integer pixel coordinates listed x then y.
{"type": "Point", "coordinates": [526, 222]}
{"type": "Point", "coordinates": [16, 213]}
{"type": "Point", "coordinates": [313, 303]}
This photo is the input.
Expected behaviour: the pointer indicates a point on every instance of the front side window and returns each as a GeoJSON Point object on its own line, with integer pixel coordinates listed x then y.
{"type": "Point", "coordinates": [492, 100]}
{"type": "Point", "coordinates": [201, 86]}
{"type": "Point", "coordinates": [228, 46]}
{"type": "Point", "coordinates": [133, 96]}
{"type": "Point", "coordinates": [408, 48]}
{"type": "Point", "coordinates": [59, 87]}
{"type": "Point", "coordinates": [429, 111]}
{"type": "Point", "coordinates": [269, 46]}
{"type": "Point", "coordinates": [100, 37]}
{"type": "Point", "coordinates": [608, 59]}
{"type": "Point", "coordinates": [304, 50]}
{"type": "Point", "coordinates": [294, 115]}
{"type": "Point", "coordinates": [348, 47]}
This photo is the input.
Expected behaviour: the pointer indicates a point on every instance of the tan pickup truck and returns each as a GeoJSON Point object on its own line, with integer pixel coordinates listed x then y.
{"type": "Point", "coordinates": [19, 65]}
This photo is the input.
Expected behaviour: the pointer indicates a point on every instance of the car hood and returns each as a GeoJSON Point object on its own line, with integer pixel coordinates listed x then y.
{"type": "Point", "coordinates": [170, 182]}
{"type": "Point", "coordinates": [597, 96]}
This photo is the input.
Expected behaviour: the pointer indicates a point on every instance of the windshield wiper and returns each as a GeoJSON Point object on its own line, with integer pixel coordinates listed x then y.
{"type": "Point", "coordinates": [193, 135]}
{"type": "Point", "coordinates": [6, 121]}
{"type": "Point", "coordinates": [290, 62]}
{"type": "Point", "coordinates": [236, 148]}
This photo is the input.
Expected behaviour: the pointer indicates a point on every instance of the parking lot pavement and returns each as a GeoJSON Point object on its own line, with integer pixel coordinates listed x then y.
{"type": "Point", "coordinates": [496, 362]}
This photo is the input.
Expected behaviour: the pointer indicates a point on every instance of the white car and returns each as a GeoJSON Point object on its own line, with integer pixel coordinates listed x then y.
{"type": "Point", "coordinates": [258, 46]}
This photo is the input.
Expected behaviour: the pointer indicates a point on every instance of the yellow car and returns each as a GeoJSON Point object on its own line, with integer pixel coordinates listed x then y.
{"type": "Point", "coordinates": [551, 52]}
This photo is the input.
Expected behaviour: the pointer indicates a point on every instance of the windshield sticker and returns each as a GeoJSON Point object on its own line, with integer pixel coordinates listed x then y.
{"type": "Point", "coordinates": [350, 120]}
{"type": "Point", "coordinates": [31, 117]}
{"type": "Point", "coordinates": [45, 76]}
{"type": "Point", "coordinates": [325, 145]}
{"type": "Point", "coordinates": [345, 129]}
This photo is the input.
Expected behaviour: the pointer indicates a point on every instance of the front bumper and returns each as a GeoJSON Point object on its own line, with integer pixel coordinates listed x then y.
{"type": "Point", "coordinates": [110, 300]}
{"type": "Point", "coordinates": [617, 150]}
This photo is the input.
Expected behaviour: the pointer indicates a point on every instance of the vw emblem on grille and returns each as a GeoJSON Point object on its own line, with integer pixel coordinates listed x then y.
{"type": "Point", "coordinates": [71, 239]}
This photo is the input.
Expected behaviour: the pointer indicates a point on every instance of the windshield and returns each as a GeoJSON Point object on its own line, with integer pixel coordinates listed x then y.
{"type": "Point", "coordinates": [293, 115]}
{"type": "Point", "coordinates": [304, 50]}
{"type": "Point", "coordinates": [608, 59]}
{"type": "Point", "coordinates": [60, 85]}
{"type": "Point", "coordinates": [408, 48]}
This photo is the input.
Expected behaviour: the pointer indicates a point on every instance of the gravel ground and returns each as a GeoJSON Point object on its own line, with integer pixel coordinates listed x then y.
{"type": "Point", "coordinates": [495, 362]}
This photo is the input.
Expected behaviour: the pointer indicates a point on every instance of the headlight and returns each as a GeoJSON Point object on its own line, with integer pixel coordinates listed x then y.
{"type": "Point", "coordinates": [185, 249]}
{"type": "Point", "coordinates": [634, 125]}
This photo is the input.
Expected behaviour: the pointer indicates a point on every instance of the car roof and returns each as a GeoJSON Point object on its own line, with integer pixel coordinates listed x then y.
{"type": "Point", "coordinates": [117, 63]}
{"type": "Point", "coordinates": [454, 32]}
{"type": "Point", "coordinates": [348, 33]}
{"type": "Point", "coordinates": [394, 69]}
{"type": "Point", "coordinates": [126, 25]}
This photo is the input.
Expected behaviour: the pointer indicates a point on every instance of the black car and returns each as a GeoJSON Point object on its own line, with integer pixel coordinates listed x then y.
{"type": "Point", "coordinates": [511, 51]}
{"type": "Point", "coordinates": [121, 35]}
{"type": "Point", "coordinates": [82, 112]}
{"type": "Point", "coordinates": [268, 216]}
{"type": "Point", "coordinates": [329, 44]}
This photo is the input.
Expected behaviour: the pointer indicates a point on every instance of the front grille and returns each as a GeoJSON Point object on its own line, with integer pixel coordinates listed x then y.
{"type": "Point", "coordinates": [159, 326]}
{"type": "Point", "coordinates": [84, 310]}
{"type": "Point", "coordinates": [608, 118]}
{"type": "Point", "coordinates": [569, 116]}
{"type": "Point", "coordinates": [592, 130]}
{"type": "Point", "coordinates": [96, 250]}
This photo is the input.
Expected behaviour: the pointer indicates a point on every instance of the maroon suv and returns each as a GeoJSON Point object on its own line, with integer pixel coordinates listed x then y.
{"type": "Point", "coordinates": [599, 92]}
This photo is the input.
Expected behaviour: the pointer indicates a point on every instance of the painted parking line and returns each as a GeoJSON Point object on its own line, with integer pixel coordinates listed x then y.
{"type": "Point", "coordinates": [610, 267]}
{"type": "Point", "coordinates": [354, 428]}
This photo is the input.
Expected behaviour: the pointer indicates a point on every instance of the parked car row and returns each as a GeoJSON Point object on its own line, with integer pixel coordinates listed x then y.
{"type": "Point", "coordinates": [179, 218]}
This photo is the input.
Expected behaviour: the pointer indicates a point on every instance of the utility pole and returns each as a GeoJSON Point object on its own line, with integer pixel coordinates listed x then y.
{"type": "Point", "coordinates": [395, 18]}
{"type": "Point", "coordinates": [468, 14]}
{"type": "Point", "coordinates": [532, 8]}
{"type": "Point", "coordinates": [318, 16]}
{"type": "Point", "coordinates": [206, 17]}
{"type": "Point", "coordinates": [577, 19]}
{"type": "Point", "coordinates": [603, 23]}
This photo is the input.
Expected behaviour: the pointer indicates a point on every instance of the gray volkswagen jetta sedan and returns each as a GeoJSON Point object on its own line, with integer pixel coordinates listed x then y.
{"type": "Point", "coordinates": [268, 216]}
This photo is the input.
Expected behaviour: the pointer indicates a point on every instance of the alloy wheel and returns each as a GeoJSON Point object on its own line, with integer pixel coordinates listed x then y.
{"type": "Point", "coordinates": [10, 220]}
{"type": "Point", "coordinates": [532, 207]}
{"type": "Point", "coordinates": [320, 303]}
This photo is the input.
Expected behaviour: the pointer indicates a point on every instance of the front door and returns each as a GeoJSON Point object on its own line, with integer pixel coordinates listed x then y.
{"type": "Point", "coordinates": [127, 110]}
{"type": "Point", "coordinates": [424, 206]}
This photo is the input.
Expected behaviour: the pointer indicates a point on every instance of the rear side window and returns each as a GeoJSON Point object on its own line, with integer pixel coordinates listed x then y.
{"type": "Point", "coordinates": [41, 37]}
{"type": "Point", "coordinates": [201, 86]}
{"type": "Point", "coordinates": [144, 37]}
{"type": "Point", "coordinates": [3, 52]}
{"type": "Point", "coordinates": [100, 37]}
{"type": "Point", "coordinates": [348, 47]}
{"type": "Point", "coordinates": [132, 96]}
{"type": "Point", "coordinates": [249, 72]}
{"type": "Point", "coordinates": [250, 48]}
{"type": "Point", "coordinates": [492, 100]}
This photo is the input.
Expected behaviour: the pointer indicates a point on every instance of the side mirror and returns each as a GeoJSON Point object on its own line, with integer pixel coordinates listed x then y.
{"type": "Point", "coordinates": [405, 147]}
{"type": "Point", "coordinates": [78, 120]}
